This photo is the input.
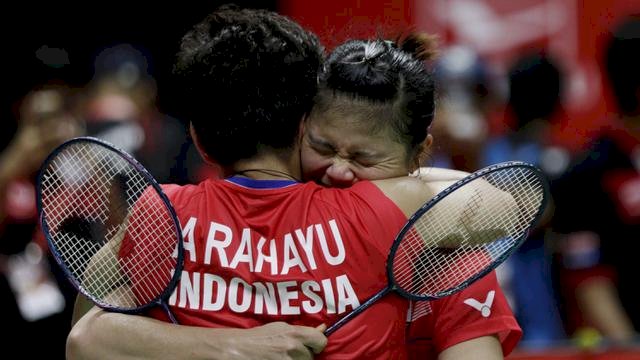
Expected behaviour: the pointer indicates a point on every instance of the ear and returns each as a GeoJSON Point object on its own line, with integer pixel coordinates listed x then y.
{"type": "Point", "coordinates": [428, 142]}
{"type": "Point", "coordinates": [301, 129]}
{"type": "Point", "coordinates": [422, 153]}
{"type": "Point", "coordinates": [201, 151]}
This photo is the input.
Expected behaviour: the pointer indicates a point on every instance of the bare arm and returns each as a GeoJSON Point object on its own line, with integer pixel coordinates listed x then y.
{"type": "Point", "coordinates": [429, 174]}
{"type": "Point", "coordinates": [411, 192]}
{"type": "Point", "coordinates": [482, 348]}
{"type": "Point", "coordinates": [106, 335]}
{"type": "Point", "coordinates": [469, 205]}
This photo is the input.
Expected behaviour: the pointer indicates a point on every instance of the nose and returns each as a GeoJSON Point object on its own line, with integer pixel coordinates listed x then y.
{"type": "Point", "coordinates": [340, 174]}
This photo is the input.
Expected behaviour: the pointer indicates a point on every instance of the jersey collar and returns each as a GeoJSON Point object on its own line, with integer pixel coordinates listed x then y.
{"type": "Point", "coordinates": [260, 184]}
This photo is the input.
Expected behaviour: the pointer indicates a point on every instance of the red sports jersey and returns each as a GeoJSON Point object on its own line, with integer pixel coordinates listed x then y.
{"type": "Point", "coordinates": [263, 251]}
{"type": "Point", "coordinates": [479, 310]}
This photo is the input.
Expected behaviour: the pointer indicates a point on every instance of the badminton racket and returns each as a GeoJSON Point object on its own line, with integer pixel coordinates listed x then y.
{"type": "Point", "coordinates": [109, 226]}
{"type": "Point", "coordinates": [462, 233]}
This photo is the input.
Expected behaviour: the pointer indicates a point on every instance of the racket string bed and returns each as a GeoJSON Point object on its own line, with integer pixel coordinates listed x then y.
{"type": "Point", "coordinates": [108, 225]}
{"type": "Point", "coordinates": [156, 256]}
{"type": "Point", "coordinates": [433, 246]}
{"type": "Point", "coordinates": [80, 183]}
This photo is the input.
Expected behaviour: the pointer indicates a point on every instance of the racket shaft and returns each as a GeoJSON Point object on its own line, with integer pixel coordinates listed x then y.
{"type": "Point", "coordinates": [365, 305]}
{"type": "Point", "coordinates": [166, 308]}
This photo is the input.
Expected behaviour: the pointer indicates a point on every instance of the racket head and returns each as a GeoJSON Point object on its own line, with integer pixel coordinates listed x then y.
{"type": "Point", "coordinates": [426, 262]}
{"type": "Point", "coordinates": [108, 223]}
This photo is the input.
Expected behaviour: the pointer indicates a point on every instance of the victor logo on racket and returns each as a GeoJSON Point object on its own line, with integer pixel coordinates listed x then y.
{"type": "Point", "coordinates": [462, 233]}
{"type": "Point", "coordinates": [109, 225]}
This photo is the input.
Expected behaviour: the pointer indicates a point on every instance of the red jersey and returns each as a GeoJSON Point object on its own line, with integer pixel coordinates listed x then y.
{"type": "Point", "coordinates": [258, 251]}
{"type": "Point", "coordinates": [479, 310]}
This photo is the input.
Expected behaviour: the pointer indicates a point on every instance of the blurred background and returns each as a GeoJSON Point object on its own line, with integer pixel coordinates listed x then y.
{"type": "Point", "coordinates": [551, 82]}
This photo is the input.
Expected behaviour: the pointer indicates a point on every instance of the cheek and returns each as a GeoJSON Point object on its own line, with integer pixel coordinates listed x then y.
{"type": "Point", "coordinates": [384, 170]}
{"type": "Point", "coordinates": [313, 164]}
{"type": "Point", "coordinates": [371, 174]}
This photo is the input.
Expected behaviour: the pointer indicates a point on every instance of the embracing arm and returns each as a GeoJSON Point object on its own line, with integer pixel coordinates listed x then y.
{"type": "Point", "coordinates": [107, 335]}
{"type": "Point", "coordinates": [411, 192]}
{"type": "Point", "coordinates": [473, 207]}
{"type": "Point", "coordinates": [103, 335]}
{"type": "Point", "coordinates": [438, 174]}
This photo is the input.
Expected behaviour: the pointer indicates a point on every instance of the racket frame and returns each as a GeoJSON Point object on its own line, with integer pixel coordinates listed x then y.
{"type": "Point", "coordinates": [444, 193]}
{"type": "Point", "coordinates": [151, 180]}
{"type": "Point", "coordinates": [391, 284]}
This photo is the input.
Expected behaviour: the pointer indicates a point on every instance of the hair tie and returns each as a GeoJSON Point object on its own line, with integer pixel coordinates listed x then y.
{"type": "Point", "coordinates": [362, 61]}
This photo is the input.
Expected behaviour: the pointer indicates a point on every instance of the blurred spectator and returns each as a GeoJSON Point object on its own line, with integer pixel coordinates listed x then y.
{"type": "Point", "coordinates": [535, 94]}
{"type": "Point", "coordinates": [38, 306]}
{"type": "Point", "coordinates": [535, 88]}
{"type": "Point", "coordinates": [467, 95]}
{"type": "Point", "coordinates": [598, 207]}
{"type": "Point", "coordinates": [120, 107]}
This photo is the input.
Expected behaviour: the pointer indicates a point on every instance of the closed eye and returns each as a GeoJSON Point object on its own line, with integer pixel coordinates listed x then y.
{"type": "Point", "coordinates": [365, 159]}
{"type": "Point", "coordinates": [320, 146]}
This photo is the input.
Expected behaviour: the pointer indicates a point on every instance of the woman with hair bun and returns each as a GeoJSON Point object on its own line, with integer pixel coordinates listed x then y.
{"type": "Point", "coordinates": [371, 120]}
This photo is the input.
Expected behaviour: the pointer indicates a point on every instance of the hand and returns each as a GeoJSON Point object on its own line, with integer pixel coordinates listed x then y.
{"type": "Point", "coordinates": [279, 340]}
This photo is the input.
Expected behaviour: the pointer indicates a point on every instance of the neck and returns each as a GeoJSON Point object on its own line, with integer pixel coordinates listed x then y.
{"type": "Point", "coordinates": [269, 166]}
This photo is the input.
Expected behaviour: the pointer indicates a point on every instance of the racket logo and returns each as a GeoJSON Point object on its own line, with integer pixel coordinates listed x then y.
{"type": "Point", "coordinates": [484, 307]}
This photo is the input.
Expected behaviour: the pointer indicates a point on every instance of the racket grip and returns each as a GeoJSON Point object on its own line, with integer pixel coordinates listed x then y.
{"type": "Point", "coordinates": [365, 305]}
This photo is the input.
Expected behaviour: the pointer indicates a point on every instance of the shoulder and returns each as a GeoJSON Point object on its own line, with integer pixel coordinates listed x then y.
{"type": "Point", "coordinates": [355, 199]}
{"type": "Point", "coordinates": [182, 194]}
{"type": "Point", "coordinates": [410, 193]}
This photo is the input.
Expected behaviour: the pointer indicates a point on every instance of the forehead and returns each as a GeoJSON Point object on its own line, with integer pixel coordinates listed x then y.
{"type": "Point", "coordinates": [346, 127]}
{"type": "Point", "coordinates": [345, 112]}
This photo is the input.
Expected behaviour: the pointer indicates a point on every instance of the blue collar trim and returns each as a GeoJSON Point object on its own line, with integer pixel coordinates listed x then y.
{"type": "Point", "coordinates": [260, 184]}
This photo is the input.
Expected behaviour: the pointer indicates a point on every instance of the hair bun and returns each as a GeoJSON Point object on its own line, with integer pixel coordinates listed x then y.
{"type": "Point", "coordinates": [420, 45]}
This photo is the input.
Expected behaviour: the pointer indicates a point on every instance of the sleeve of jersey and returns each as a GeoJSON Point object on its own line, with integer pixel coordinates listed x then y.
{"type": "Point", "coordinates": [479, 310]}
{"type": "Point", "coordinates": [172, 191]}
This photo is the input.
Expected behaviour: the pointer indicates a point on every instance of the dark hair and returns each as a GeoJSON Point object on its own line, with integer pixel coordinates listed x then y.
{"type": "Point", "coordinates": [622, 57]}
{"type": "Point", "coordinates": [535, 87]}
{"type": "Point", "coordinates": [248, 77]}
{"type": "Point", "coordinates": [389, 82]}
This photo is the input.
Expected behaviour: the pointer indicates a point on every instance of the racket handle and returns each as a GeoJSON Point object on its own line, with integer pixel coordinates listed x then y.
{"type": "Point", "coordinates": [365, 305]}
{"type": "Point", "coordinates": [172, 317]}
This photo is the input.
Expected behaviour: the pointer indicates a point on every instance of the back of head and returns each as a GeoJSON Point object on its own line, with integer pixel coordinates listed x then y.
{"type": "Point", "coordinates": [247, 79]}
{"type": "Point", "coordinates": [388, 82]}
{"type": "Point", "coordinates": [622, 57]}
{"type": "Point", "coordinates": [535, 88]}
